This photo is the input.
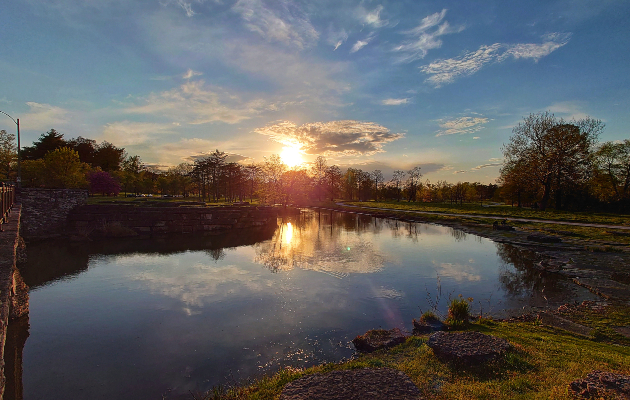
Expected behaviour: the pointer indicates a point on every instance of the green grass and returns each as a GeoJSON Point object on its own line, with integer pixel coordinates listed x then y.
{"type": "Point", "coordinates": [544, 361]}
{"type": "Point", "coordinates": [505, 211]}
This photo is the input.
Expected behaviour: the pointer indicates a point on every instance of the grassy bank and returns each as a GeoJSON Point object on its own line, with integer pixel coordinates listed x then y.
{"type": "Point", "coordinates": [541, 365]}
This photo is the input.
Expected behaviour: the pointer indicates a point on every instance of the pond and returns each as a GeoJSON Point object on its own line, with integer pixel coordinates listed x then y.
{"type": "Point", "coordinates": [153, 319]}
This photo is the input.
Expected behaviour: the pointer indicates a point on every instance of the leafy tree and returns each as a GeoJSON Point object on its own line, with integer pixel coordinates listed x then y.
{"type": "Point", "coordinates": [102, 182]}
{"type": "Point", "coordinates": [86, 148]}
{"type": "Point", "coordinates": [318, 170]}
{"type": "Point", "coordinates": [612, 170]}
{"type": "Point", "coordinates": [556, 155]}
{"type": "Point", "coordinates": [333, 181]}
{"type": "Point", "coordinates": [64, 169]}
{"type": "Point", "coordinates": [49, 141]}
{"type": "Point", "coordinates": [108, 157]}
{"type": "Point", "coordinates": [8, 153]}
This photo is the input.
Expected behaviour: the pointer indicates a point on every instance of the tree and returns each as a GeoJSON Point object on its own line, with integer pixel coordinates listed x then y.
{"type": "Point", "coordinates": [108, 157]}
{"type": "Point", "coordinates": [84, 147]}
{"type": "Point", "coordinates": [554, 154]}
{"type": "Point", "coordinates": [333, 181]}
{"type": "Point", "coordinates": [396, 181]}
{"type": "Point", "coordinates": [8, 153]}
{"type": "Point", "coordinates": [318, 170]}
{"type": "Point", "coordinates": [102, 182]}
{"type": "Point", "coordinates": [612, 170]}
{"type": "Point", "coordinates": [377, 175]}
{"type": "Point", "coordinates": [49, 141]}
{"type": "Point", "coordinates": [64, 169]}
{"type": "Point", "coordinates": [412, 182]}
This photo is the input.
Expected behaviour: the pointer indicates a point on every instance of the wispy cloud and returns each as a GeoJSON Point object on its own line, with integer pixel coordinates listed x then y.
{"type": "Point", "coordinates": [194, 103]}
{"type": "Point", "coordinates": [278, 21]}
{"type": "Point", "coordinates": [461, 126]}
{"type": "Point", "coordinates": [446, 71]}
{"type": "Point", "coordinates": [334, 137]}
{"type": "Point", "coordinates": [44, 116]}
{"type": "Point", "coordinates": [569, 109]}
{"type": "Point", "coordinates": [362, 43]}
{"type": "Point", "coordinates": [394, 102]}
{"type": "Point", "coordinates": [461, 171]}
{"type": "Point", "coordinates": [372, 18]}
{"type": "Point", "coordinates": [190, 74]}
{"type": "Point", "coordinates": [128, 133]}
{"type": "Point", "coordinates": [425, 37]}
{"type": "Point", "coordinates": [478, 167]}
{"type": "Point", "coordinates": [336, 38]}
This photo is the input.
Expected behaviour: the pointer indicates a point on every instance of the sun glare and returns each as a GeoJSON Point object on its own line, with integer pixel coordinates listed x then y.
{"type": "Point", "coordinates": [291, 156]}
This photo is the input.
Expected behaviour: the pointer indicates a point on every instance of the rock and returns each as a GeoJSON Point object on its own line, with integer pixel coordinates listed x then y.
{"type": "Point", "coordinates": [544, 238]}
{"type": "Point", "coordinates": [360, 384]}
{"type": "Point", "coordinates": [427, 326]}
{"type": "Point", "coordinates": [376, 339]}
{"type": "Point", "coordinates": [468, 347]}
{"type": "Point", "coordinates": [598, 384]}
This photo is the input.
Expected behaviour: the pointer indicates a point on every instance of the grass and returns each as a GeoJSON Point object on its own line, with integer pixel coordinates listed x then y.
{"type": "Point", "coordinates": [505, 211]}
{"type": "Point", "coordinates": [544, 361]}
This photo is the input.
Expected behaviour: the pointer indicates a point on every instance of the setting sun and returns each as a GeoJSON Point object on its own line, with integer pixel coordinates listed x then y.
{"type": "Point", "coordinates": [291, 156]}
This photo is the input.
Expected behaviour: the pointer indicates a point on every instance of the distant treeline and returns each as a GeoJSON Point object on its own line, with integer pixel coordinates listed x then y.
{"type": "Point", "coordinates": [548, 162]}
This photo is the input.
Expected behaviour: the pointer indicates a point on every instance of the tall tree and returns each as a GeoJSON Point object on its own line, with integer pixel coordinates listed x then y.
{"type": "Point", "coordinates": [612, 169]}
{"type": "Point", "coordinates": [396, 181]}
{"type": "Point", "coordinates": [412, 183]}
{"type": "Point", "coordinates": [47, 142]}
{"type": "Point", "coordinates": [377, 175]}
{"type": "Point", "coordinates": [8, 153]}
{"type": "Point", "coordinates": [554, 154]}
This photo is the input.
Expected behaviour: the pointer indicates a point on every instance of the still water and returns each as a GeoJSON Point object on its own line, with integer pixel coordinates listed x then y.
{"type": "Point", "coordinates": [140, 319]}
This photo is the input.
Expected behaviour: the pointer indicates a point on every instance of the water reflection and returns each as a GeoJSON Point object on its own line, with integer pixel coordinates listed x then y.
{"type": "Point", "coordinates": [157, 319]}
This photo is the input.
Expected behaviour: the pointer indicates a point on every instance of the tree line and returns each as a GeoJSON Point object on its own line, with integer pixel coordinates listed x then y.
{"type": "Point", "coordinates": [548, 162]}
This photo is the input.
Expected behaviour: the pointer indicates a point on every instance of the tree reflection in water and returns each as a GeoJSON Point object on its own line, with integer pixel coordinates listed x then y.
{"type": "Point", "coordinates": [520, 279]}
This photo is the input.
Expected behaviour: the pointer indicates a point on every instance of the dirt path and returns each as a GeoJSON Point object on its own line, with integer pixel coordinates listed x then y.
{"type": "Point", "coordinates": [542, 221]}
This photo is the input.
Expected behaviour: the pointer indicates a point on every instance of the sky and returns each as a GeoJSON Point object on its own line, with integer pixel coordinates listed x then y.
{"type": "Point", "coordinates": [369, 84]}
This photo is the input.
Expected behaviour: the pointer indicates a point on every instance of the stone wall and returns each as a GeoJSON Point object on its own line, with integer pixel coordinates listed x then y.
{"type": "Point", "coordinates": [45, 211]}
{"type": "Point", "coordinates": [128, 220]}
{"type": "Point", "coordinates": [13, 291]}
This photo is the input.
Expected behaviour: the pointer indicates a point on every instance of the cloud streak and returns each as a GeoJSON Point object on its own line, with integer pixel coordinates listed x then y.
{"type": "Point", "coordinates": [283, 22]}
{"type": "Point", "coordinates": [425, 37]}
{"type": "Point", "coordinates": [446, 71]}
{"type": "Point", "coordinates": [193, 103]}
{"type": "Point", "coordinates": [332, 138]}
{"type": "Point", "coordinates": [461, 126]}
{"type": "Point", "coordinates": [394, 102]}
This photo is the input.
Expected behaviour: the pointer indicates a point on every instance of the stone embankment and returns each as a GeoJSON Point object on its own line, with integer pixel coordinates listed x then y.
{"type": "Point", "coordinates": [13, 290]}
{"type": "Point", "coordinates": [45, 211]}
{"type": "Point", "coordinates": [127, 220]}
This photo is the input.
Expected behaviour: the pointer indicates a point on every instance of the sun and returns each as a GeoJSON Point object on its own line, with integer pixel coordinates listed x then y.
{"type": "Point", "coordinates": [291, 156]}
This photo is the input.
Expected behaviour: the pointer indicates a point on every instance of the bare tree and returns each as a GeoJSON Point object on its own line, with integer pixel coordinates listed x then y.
{"type": "Point", "coordinates": [412, 182]}
{"type": "Point", "coordinates": [377, 175]}
{"type": "Point", "coordinates": [554, 154]}
{"type": "Point", "coordinates": [396, 181]}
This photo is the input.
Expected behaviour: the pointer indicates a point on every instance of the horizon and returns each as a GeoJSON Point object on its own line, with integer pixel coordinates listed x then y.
{"type": "Point", "coordinates": [370, 84]}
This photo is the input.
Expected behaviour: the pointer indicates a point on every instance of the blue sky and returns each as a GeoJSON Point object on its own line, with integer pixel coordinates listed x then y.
{"type": "Point", "coordinates": [371, 84]}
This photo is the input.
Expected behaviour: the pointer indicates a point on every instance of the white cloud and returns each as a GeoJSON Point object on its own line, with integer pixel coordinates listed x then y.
{"type": "Point", "coordinates": [334, 137]}
{"type": "Point", "coordinates": [394, 102]}
{"type": "Point", "coordinates": [278, 21]}
{"type": "Point", "coordinates": [461, 126]}
{"type": "Point", "coordinates": [44, 116]}
{"type": "Point", "coordinates": [193, 103]}
{"type": "Point", "coordinates": [127, 133]}
{"type": "Point", "coordinates": [190, 74]}
{"type": "Point", "coordinates": [568, 109]}
{"type": "Point", "coordinates": [336, 38]}
{"type": "Point", "coordinates": [476, 137]}
{"type": "Point", "coordinates": [372, 18]}
{"type": "Point", "coordinates": [362, 43]}
{"type": "Point", "coordinates": [424, 38]}
{"type": "Point", "coordinates": [478, 167]}
{"type": "Point", "coordinates": [446, 71]}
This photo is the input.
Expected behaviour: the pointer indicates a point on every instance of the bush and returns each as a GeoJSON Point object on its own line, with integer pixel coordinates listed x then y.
{"type": "Point", "coordinates": [458, 311]}
{"type": "Point", "coordinates": [429, 316]}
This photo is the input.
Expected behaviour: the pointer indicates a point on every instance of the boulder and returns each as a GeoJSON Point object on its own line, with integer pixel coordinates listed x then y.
{"type": "Point", "coordinates": [360, 384]}
{"type": "Point", "coordinates": [467, 347]}
{"type": "Point", "coordinates": [600, 384]}
{"type": "Point", "coordinates": [376, 339]}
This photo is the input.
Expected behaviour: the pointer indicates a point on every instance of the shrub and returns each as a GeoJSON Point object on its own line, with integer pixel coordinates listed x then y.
{"type": "Point", "coordinates": [429, 316]}
{"type": "Point", "coordinates": [458, 311]}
